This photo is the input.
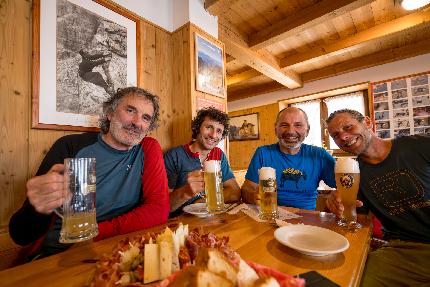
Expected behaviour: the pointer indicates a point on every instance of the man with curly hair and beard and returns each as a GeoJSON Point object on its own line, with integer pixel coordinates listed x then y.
{"type": "Point", "coordinates": [184, 163]}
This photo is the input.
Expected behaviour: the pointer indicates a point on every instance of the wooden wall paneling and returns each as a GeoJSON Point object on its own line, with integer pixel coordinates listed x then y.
{"type": "Point", "coordinates": [241, 152]}
{"type": "Point", "coordinates": [148, 73]}
{"type": "Point", "coordinates": [40, 143]}
{"type": "Point", "coordinates": [15, 55]}
{"type": "Point", "coordinates": [181, 91]}
{"type": "Point", "coordinates": [164, 81]}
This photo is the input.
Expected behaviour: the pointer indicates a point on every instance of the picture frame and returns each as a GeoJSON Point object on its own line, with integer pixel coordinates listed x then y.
{"type": "Point", "coordinates": [210, 76]}
{"type": "Point", "coordinates": [206, 103]}
{"type": "Point", "coordinates": [83, 51]}
{"type": "Point", "coordinates": [401, 106]}
{"type": "Point", "coordinates": [244, 127]}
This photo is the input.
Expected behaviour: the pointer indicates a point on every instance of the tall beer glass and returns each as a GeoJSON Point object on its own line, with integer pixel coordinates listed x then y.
{"type": "Point", "coordinates": [78, 212]}
{"type": "Point", "coordinates": [347, 174]}
{"type": "Point", "coordinates": [213, 186]}
{"type": "Point", "coordinates": [267, 193]}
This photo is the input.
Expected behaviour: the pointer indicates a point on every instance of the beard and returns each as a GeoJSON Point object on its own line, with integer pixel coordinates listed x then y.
{"type": "Point", "coordinates": [286, 143]}
{"type": "Point", "coordinates": [128, 135]}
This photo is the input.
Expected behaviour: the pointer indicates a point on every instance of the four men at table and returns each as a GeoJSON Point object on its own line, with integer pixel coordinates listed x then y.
{"type": "Point", "coordinates": [184, 164]}
{"type": "Point", "coordinates": [299, 167]}
{"type": "Point", "coordinates": [395, 187]}
{"type": "Point", "coordinates": [132, 192]}
{"type": "Point", "coordinates": [395, 179]}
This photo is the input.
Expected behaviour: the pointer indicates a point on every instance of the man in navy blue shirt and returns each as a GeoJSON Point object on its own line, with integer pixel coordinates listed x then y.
{"type": "Point", "coordinates": [299, 167]}
{"type": "Point", "coordinates": [184, 163]}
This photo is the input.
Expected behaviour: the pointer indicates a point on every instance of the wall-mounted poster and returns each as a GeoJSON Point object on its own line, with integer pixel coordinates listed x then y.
{"type": "Point", "coordinates": [83, 51]}
{"type": "Point", "coordinates": [206, 103]}
{"type": "Point", "coordinates": [244, 127]}
{"type": "Point", "coordinates": [209, 67]}
{"type": "Point", "coordinates": [401, 106]}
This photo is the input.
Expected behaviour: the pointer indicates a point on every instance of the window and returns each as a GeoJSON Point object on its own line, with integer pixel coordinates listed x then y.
{"type": "Point", "coordinates": [353, 101]}
{"type": "Point", "coordinates": [318, 110]}
{"type": "Point", "coordinates": [312, 110]}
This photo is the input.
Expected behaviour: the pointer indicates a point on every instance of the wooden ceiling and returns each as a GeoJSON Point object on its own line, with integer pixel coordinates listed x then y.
{"type": "Point", "coordinates": [274, 44]}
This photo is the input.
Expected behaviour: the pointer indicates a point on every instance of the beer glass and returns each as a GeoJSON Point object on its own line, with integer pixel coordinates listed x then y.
{"type": "Point", "coordinates": [78, 212]}
{"type": "Point", "coordinates": [267, 193]}
{"type": "Point", "coordinates": [213, 186]}
{"type": "Point", "coordinates": [347, 174]}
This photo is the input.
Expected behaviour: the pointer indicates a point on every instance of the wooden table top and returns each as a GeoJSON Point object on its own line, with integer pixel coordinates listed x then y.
{"type": "Point", "coordinates": [252, 240]}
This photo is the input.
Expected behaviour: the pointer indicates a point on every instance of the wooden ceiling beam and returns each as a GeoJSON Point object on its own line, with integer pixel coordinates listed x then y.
{"type": "Point", "coordinates": [236, 78]}
{"type": "Point", "coordinates": [217, 7]}
{"type": "Point", "coordinates": [375, 59]}
{"type": "Point", "coordinates": [304, 19]}
{"type": "Point", "coordinates": [229, 58]}
{"type": "Point", "coordinates": [414, 20]}
{"type": "Point", "coordinates": [236, 46]}
{"type": "Point", "coordinates": [254, 91]}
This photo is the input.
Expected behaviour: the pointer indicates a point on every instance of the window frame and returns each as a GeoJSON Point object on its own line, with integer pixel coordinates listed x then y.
{"type": "Point", "coordinates": [325, 137]}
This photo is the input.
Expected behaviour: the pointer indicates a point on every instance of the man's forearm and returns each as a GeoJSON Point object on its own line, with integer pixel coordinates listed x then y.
{"type": "Point", "coordinates": [249, 189]}
{"type": "Point", "coordinates": [231, 190]}
{"type": "Point", "coordinates": [177, 198]}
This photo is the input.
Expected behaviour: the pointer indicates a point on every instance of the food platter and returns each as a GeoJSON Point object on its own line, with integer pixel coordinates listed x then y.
{"type": "Point", "coordinates": [197, 209]}
{"type": "Point", "coordinates": [311, 240]}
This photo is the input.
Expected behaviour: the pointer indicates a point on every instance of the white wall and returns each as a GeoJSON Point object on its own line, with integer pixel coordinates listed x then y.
{"type": "Point", "coordinates": [172, 14]}
{"type": "Point", "coordinates": [159, 12]}
{"type": "Point", "coordinates": [378, 73]}
{"type": "Point", "coordinates": [200, 17]}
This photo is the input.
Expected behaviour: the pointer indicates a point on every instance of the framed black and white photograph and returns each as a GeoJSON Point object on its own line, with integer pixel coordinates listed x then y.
{"type": "Point", "coordinates": [400, 113]}
{"type": "Point", "coordinates": [209, 67]}
{"type": "Point", "coordinates": [244, 127]}
{"type": "Point", "coordinates": [382, 106]}
{"type": "Point", "coordinates": [399, 94]}
{"type": "Point", "coordinates": [381, 97]}
{"type": "Point", "coordinates": [83, 52]}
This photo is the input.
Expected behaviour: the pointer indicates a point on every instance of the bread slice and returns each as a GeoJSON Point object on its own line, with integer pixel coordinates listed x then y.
{"type": "Point", "coordinates": [216, 262]}
{"type": "Point", "coordinates": [266, 282]}
{"type": "Point", "coordinates": [199, 277]}
{"type": "Point", "coordinates": [246, 276]}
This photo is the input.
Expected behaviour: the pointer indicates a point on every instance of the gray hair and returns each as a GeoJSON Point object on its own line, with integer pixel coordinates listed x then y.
{"type": "Point", "coordinates": [353, 113]}
{"type": "Point", "coordinates": [112, 103]}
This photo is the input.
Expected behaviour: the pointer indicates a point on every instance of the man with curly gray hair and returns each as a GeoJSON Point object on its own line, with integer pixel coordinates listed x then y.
{"type": "Point", "coordinates": [184, 163]}
{"type": "Point", "coordinates": [132, 191]}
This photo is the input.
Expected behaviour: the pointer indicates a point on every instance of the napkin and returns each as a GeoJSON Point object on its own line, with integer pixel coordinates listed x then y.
{"type": "Point", "coordinates": [253, 210]}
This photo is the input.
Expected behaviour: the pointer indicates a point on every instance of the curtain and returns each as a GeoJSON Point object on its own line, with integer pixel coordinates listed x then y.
{"type": "Point", "coordinates": [312, 110]}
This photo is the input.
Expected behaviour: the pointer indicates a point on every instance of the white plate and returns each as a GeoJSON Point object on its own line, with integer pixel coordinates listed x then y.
{"type": "Point", "coordinates": [197, 209]}
{"type": "Point", "coordinates": [311, 240]}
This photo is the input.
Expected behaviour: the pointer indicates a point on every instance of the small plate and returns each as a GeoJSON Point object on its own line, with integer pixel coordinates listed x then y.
{"type": "Point", "coordinates": [311, 240]}
{"type": "Point", "coordinates": [197, 209]}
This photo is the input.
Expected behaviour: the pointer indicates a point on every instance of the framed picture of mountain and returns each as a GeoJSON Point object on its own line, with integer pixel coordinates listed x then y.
{"type": "Point", "coordinates": [209, 67]}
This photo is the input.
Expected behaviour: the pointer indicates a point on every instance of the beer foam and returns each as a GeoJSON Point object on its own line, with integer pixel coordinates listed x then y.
{"type": "Point", "coordinates": [346, 165]}
{"type": "Point", "coordinates": [266, 173]}
{"type": "Point", "coordinates": [212, 166]}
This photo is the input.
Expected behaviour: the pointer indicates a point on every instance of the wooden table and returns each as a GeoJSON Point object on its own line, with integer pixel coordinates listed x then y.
{"type": "Point", "coordinates": [252, 240]}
